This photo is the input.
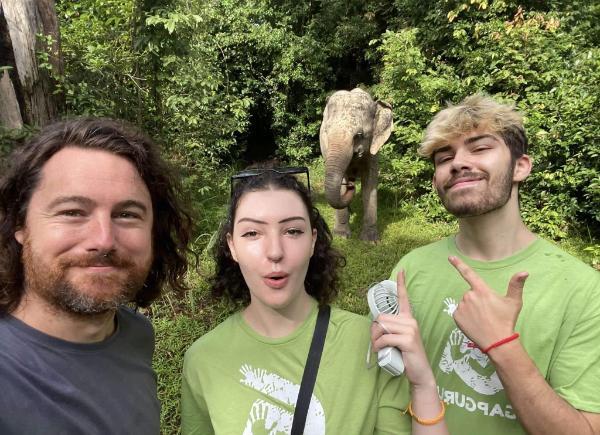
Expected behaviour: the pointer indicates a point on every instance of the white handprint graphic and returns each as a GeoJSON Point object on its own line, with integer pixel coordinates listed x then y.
{"type": "Point", "coordinates": [451, 306]}
{"type": "Point", "coordinates": [459, 355]}
{"type": "Point", "coordinates": [275, 419]}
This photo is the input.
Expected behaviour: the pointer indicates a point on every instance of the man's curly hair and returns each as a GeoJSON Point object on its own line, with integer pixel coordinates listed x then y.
{"type": "Point", "coordinates": [322, 278]}
{"type": "Point", "coordinates": [172, 226]}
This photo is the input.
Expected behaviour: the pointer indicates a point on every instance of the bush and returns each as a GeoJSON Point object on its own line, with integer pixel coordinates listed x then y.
{"type": "Point", "coordinates": [543, 61]}
{"type": "Point", "coordinates": [218, 82]}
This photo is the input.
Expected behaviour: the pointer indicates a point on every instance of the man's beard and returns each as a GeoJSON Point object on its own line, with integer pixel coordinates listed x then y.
{"type": "Point", "coordinates": [470, 204]}
{"type": "Point", "coordinates": [92, 295]}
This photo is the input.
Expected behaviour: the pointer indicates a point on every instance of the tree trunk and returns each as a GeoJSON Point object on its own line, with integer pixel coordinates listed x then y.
{"type": "Point", "coordinates": [10, 115]}
{"type": "Point", "coordinates": [26, 86]}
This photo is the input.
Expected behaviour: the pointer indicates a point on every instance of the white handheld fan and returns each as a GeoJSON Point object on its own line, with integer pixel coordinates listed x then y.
{"type": "Point", "coordinates": [383, 299]}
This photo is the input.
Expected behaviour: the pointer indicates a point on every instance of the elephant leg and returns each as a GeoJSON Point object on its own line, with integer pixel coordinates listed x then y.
{"type": "Point", "coordinates": [342, 222]}
{"type": "Point", "coordinates": [369, 180]}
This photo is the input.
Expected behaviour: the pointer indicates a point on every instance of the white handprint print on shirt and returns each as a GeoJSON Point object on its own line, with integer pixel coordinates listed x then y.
{"type": "Point", "coordinates": [459, 355]}
{"type": "Point", "coordinates": [273, 418]}
{"type": "Point", "coordinates": [451, 306]}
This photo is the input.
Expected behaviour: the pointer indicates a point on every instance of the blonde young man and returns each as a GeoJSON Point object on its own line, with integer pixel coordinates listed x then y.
{"type": "Point", "coordinates": [472, 292]}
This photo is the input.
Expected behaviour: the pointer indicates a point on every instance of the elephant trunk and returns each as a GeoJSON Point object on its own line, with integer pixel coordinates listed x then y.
{"type": "Point", "coordinates": [338, 191]}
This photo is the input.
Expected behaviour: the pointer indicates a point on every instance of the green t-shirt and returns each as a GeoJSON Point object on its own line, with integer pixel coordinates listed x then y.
{"type": "Point", "coordinates": [236, 381]}
{"type": "Point", "coordinates": [559, 326]}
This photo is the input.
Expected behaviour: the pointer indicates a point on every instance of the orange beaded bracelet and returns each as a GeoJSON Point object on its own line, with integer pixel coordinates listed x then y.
{"type": "Point", "coordinates": [427, 422]}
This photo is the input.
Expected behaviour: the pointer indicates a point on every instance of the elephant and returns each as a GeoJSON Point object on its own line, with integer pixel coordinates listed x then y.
{"type": "Point", "coordinates": [353, 130]}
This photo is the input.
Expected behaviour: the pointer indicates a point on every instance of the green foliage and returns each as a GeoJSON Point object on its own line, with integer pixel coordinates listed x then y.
{"type": "Point", "coordinates": [410, 84]}
{"type": "Point", "coordinates": [565, 146]}
{"type": "Point", "coordinates": [173, 337]}
{"type": "Point", "coordinates": [9, 139]}
{"type": "Point", "coordinates": [221, 80]}
{"type": "Point", "coordinates": [543, 60]}
{"type": "Point", "coordinates": [202, 74]}
{"type": "Point", "coordinates": [594, 253]}
{"type": "Point", "coordinates": [101, 70]}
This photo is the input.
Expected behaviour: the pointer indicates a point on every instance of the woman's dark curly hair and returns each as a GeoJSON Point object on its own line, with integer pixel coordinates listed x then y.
{"type": "Point", "coordinates": [321, 280]}
{"type": "Point", "coordinates": [172, 226]}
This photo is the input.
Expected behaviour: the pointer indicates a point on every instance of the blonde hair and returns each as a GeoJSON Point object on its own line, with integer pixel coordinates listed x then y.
{"type": "Point", "coordinates": [478, 111]}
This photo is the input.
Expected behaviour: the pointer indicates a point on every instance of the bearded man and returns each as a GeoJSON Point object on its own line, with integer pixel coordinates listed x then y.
{"type": "Point", "coordinates": [89, 220]}
{"type": "Point", "coordinates": [511, 323]}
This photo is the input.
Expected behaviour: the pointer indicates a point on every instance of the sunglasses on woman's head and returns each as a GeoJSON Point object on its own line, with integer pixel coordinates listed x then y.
{"type": "Point", "coordinates": [287, 170]}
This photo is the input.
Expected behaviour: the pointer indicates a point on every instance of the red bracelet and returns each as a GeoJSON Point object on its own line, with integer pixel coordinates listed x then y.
{"type": "Point", "coordinates": [501, 342]}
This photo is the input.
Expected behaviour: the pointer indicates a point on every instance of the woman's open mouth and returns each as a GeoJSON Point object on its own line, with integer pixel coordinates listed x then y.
{"type": "Point", "coordinates": [276, 280]}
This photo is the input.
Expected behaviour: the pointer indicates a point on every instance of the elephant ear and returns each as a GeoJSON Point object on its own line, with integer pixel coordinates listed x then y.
{"type": "Point", "coordinates": [323, 133]}
{"type": "Point", "coordinates": [382, 126]}
{"type": "Point", "coordinates": [323, 140]}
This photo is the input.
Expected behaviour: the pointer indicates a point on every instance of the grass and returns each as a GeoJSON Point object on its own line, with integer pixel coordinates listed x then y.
{"type": "Point", "coordinates": [402, 227]}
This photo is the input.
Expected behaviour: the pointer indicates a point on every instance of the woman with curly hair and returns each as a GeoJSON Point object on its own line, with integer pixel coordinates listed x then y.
{"type": "Point", "coordinates": [274, 258]}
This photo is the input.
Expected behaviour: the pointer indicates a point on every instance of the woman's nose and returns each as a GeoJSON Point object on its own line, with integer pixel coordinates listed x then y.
{"type": "Point", "coordinates": [275, 249]}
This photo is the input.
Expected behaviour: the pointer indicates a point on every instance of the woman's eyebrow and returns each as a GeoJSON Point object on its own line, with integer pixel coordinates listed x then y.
{"type": "Point", "coordinates": [247, 219]}
{"type": "Point", "coordinates": [292, 218]}
{"type": "Point", "coordinates": [258, 221]}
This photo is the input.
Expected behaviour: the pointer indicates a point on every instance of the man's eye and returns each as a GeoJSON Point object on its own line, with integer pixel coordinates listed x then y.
{"type": "Point", "coordinates": [71, 213]}
{"type": "Point", "coordinates": [443, 159]}
{"type": "Point", "coordinates": [128, 215]}
{"type": "Point", "coordinates": [479, 149]}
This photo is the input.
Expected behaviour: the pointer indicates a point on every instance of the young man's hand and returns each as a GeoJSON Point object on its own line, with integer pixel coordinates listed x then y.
{"type": "Point", "coordinates": [483, 315]}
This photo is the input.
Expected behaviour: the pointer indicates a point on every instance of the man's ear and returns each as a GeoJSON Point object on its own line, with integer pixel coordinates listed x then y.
{"type": "Point", "coordinates": [20, 235]}
{"type": "Point", "coordinates": [522, 168]}
{"type": "Point", "coordinates": [231, 247]}
{"type": "Point", "coordinates": [314, 241]}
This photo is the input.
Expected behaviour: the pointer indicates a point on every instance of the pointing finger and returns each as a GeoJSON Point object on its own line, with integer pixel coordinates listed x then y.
{"type": "Point", "coordinates": [467, 273]}
{"type": "Point", "coordinates": [515, 286]}
{"type": "Point", "coordinates": [403, 304]}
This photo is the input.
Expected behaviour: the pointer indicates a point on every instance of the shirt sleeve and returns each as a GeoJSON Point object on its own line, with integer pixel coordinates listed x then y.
{"type": "Point", "coordinates": [394, 395]}
{"type": "Point", "coordinates": [195, 419]}
{"type": "Point", "coordinates": [575, 373]}
{"type": "Point", "coordinates": [401, 264]}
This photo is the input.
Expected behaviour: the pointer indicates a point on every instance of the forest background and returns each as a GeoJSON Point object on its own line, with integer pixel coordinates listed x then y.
{"type": "Point", "coordinates": [222, 83]}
